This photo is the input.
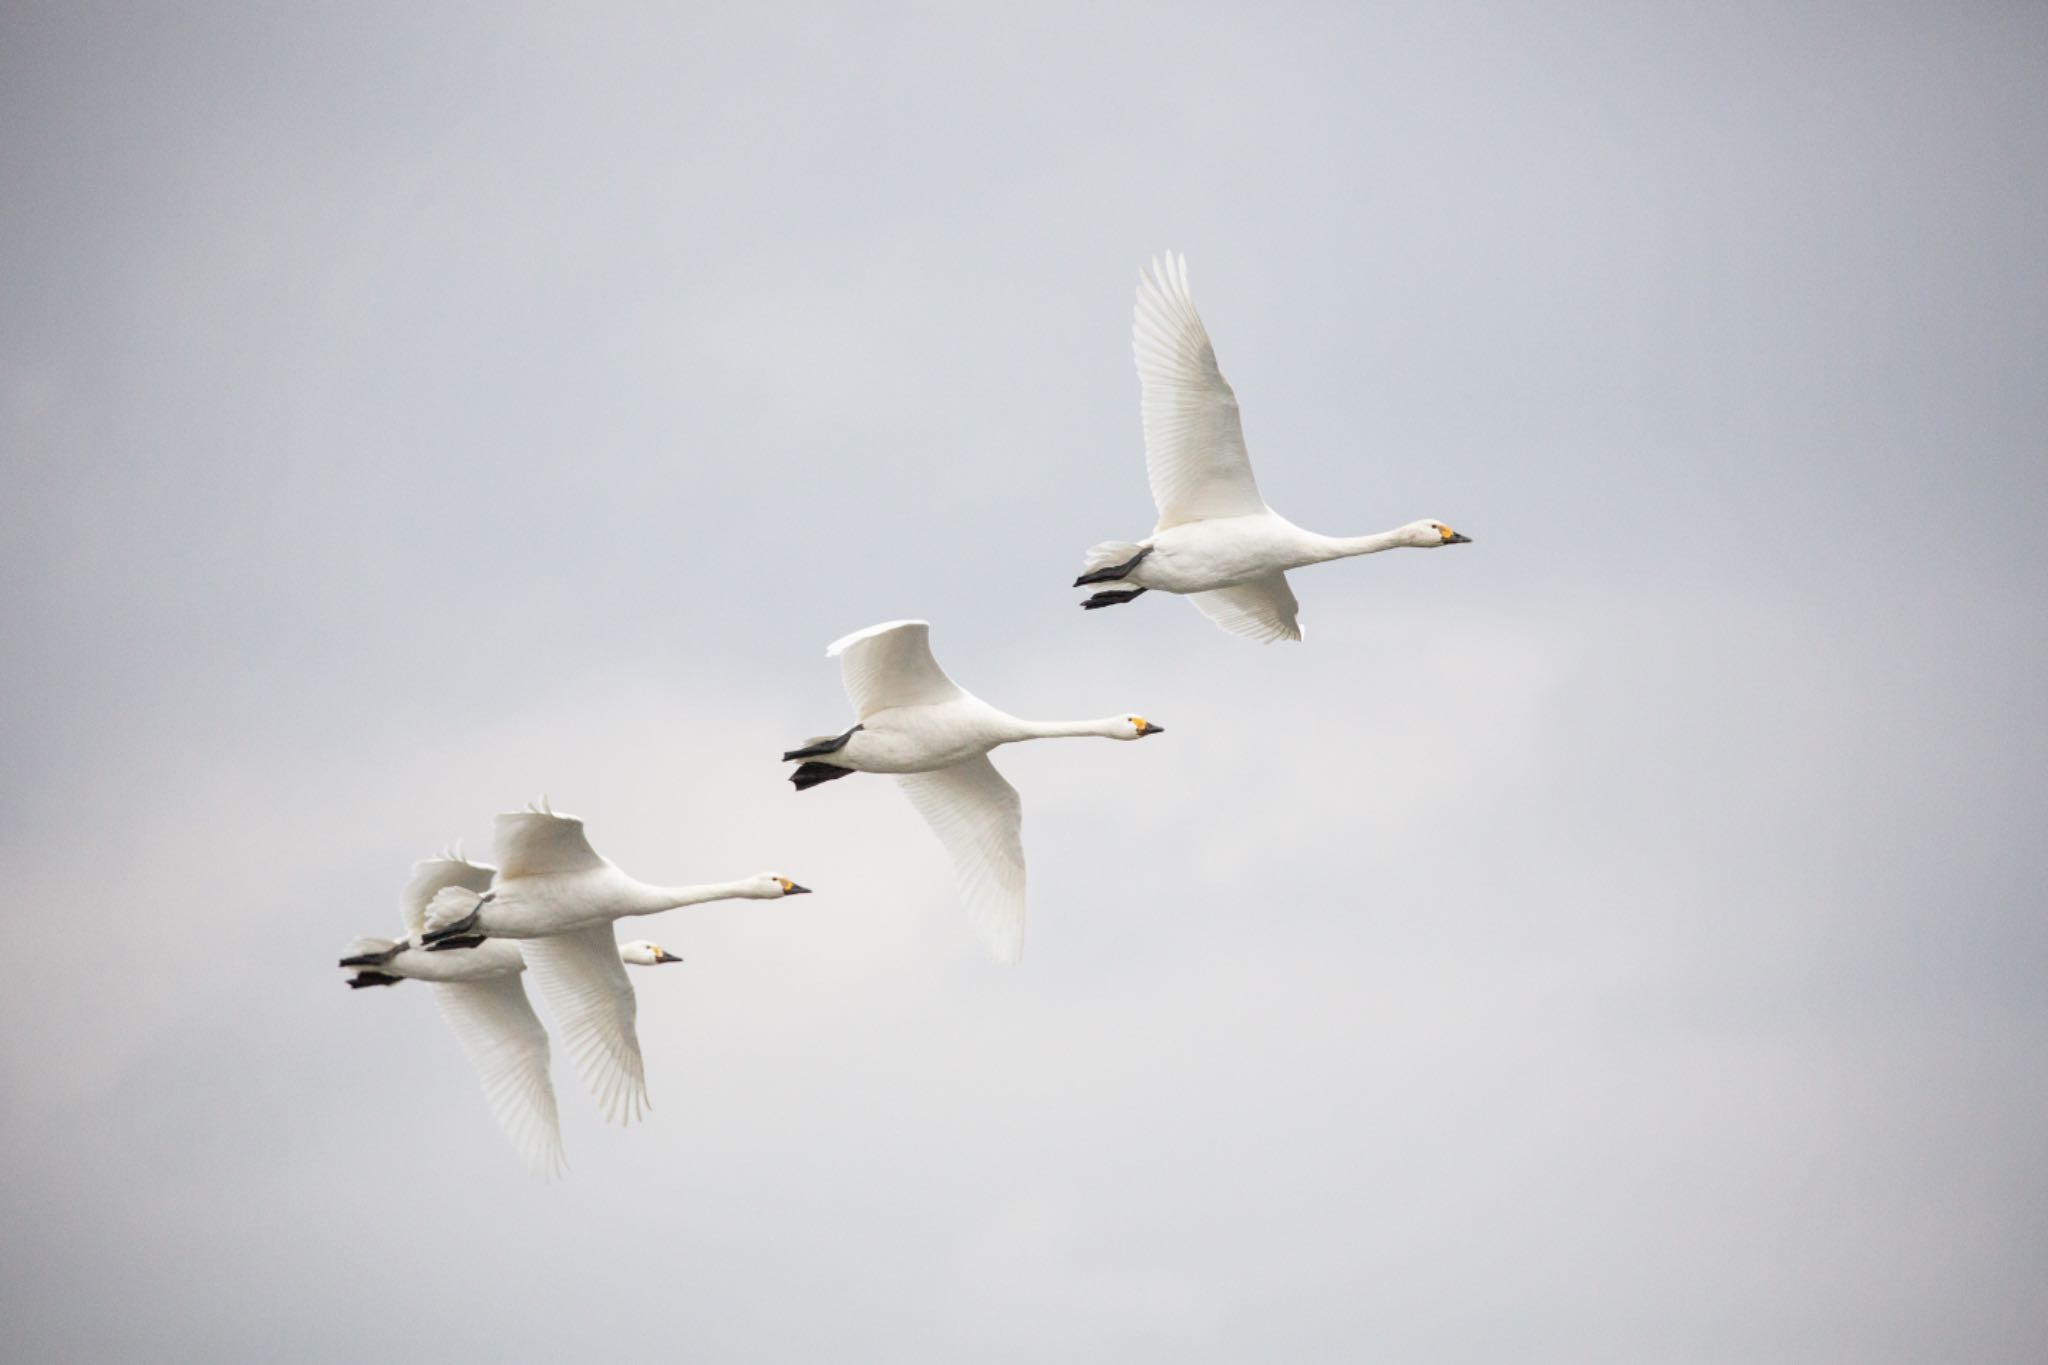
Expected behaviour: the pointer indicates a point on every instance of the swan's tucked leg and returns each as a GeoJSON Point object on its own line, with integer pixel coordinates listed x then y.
{"type": "Point", "coordinates": [362, 979]}
{"type": "Point", "coordinates": [373, 959]}
{"type": "Point", "coordinates": [1113, 572]}
{"type": "Point", "coordinates": [818, 747]}
{"type": "Point", "coordinates": [1112, 599]}
{"type": "Point", "coordinates": [452, 935]}
{"type": "Point", "coordinates": [811, 774]}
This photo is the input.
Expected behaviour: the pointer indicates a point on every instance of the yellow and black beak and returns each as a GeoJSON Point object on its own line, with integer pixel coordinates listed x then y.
{"type": "Point", "coordinates": [1452, 537]}
{"type": "Point", "coordinates": [662, 955]}
{"type": "Point", "coordinates": [790, 888]}
{"type": "Point", "coordinates": [1146, 727]}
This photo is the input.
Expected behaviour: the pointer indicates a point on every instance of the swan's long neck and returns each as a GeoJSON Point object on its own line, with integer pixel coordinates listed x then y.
{"type": "Point", "coordinates": [1322, 549]}
{"type": "Point", "coordinates": [1059, 729]}
{"type": "Point", "coordinates": [652, 900]}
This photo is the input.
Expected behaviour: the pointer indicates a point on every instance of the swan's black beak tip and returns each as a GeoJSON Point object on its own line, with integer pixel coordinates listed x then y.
{"type": "Point", "coordinates": [795, 890]}
{"type": "Point", "coordinates": [1454, 538]}
{"type": "Point", "coordinates": [1148, 728]}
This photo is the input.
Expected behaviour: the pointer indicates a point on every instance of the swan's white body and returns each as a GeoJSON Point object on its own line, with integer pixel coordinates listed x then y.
{"type": "Point", "coordinates": [559, 898]}
{"type": "Point", "coordinates": [480, 995]}
{"type": "Point", "coordinates": [934, 737]}
{"type": "Point", "coordinates": [1216, 542]}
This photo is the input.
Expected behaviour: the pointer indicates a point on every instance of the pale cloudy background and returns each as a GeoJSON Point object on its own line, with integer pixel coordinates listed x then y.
{"type": "Point", "coordinates": [1621, 940]}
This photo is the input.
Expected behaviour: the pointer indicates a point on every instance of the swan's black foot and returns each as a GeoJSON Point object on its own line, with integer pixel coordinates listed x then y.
{"type": "Point", "coordinates": [1114, 571]}
{"type": "Point", "coordinates": [362, 979]}
{"type": "Point", "coordinates": [373, 959]}
{"type": "Point", "coordinates": [1113, 599]}
{"type": "Point", "coordinates": [823, 746]}
{"type": "Point", "coordinates": [811, 774]}
{"type": "Point", "coordinates": [438, 938]}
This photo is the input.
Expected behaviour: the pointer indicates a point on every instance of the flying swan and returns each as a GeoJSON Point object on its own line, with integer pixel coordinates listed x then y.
{"type": "Point", "coordinates": [1217, 543]}
{"type": "Point", "coordinates": [915, 722]}
{"type": "Point", "coordinates": [481, 997]}
{"type": "Point", "coordinates": [554, 894]}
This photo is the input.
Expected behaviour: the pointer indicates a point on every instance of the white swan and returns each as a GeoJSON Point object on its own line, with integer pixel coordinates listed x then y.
{"type": "Point", "coordinates": [917, 723]}
{"type": "Point", "coordinates": [559, 898]}
{"type": "Point", "coordinates": [481, 997]}
{"type": "Point", "coordinates": [1217, 543]}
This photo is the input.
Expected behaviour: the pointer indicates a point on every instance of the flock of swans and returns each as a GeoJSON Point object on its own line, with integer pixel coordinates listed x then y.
{"type": "Point", "coordinates": [472, 931]}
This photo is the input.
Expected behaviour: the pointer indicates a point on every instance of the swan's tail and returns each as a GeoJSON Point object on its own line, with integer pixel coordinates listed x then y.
{"type": "Point", "coordinates": [365, 955]}
{"type": "Point", "coordinates": [1110, 561]}
{"type": "Point", "coordinates": [452, 910]}
{"type": "Point", "coordinates": [371, 952]}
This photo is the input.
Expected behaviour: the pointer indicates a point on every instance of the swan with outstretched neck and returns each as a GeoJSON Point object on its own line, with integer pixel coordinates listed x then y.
{"type": "Point", "coordinates": [934, 737]}
{"type": "Point", "coordinates": [550, 882]}
{"type": "Point", "coordinates": [1216, 543]}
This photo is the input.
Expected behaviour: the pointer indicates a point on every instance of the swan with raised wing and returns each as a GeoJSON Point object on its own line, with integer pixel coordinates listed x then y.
{"type": "Point", "coordinates": [1216, 543]}
{"type": "Point", "coordinates": [918, 724]}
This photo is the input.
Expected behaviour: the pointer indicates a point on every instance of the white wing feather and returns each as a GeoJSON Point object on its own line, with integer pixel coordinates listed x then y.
{"type": "Point", "coordinates": [509, 1049]}
{"type": "Point", "coordinates": [591, 1002]}
{"type": "Point", "coordinates": [1262, 609]}
{"type": "Point", "coordinates": [979, 819]}
{"type": "Point", "coordinates": [536, 841]}
{"type": "Point", "coordinates": [891, 665]}
{"type": "Point", "coordinates": [1194, 441]}
{"type": "Point", "coordinates": [431, 875]}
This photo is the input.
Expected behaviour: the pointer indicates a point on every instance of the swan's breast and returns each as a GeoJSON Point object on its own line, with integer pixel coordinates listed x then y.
{"type": "Point", "coordinates": [1219, 553]}
{"type": "Point", "coordinates": [917, 739]}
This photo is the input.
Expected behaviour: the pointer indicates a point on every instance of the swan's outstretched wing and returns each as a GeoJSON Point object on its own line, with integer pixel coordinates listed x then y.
{"type": "Point", "coordinates": [977, 816]}
{"type": "Point", "coordinates": [509, 1049]}
{"type": "Point", "coordinates": [429, 876]}
{"type": "Point", "coordinates": [536, 840]}
{"type": "Point", "coordinates": [891, 665]}
{"type": "Point", "coordinates": [591, 1002]}
{"type": "Point", "coordinates": [1263, 609]}
{"type": "Point", "coordinates": [1194, 443]}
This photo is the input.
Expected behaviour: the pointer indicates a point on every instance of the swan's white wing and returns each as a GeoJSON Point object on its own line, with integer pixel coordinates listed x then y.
{"type": "Point", "coordinates": [891, 665]}
{"type": "Point", "coordinates": [1263, 609]}
{"type": "Point", "coordinates": [433, 874]}
{"type": "Point", "coordinates": [591, 1002]}
{"type": "Point", "coordinates": [531, 842]}
{"type": "Point", "coordinates": [979, 819]}
{"type": "Point", "coordinates": [1194, 443]}
{"type": "Point", "coordinates": [509, 1049]}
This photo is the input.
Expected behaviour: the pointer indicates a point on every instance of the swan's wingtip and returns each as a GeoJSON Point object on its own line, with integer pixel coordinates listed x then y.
{"type": "Point", "coordinates": [845, 642]}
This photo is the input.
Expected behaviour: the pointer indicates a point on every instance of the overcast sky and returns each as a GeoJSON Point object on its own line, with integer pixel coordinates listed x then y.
{"type": "Point", "coordinates": [1621, 939]}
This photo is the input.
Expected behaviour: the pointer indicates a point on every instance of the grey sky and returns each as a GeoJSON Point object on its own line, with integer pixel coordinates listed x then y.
{"type": "Point", "coordinates": [1621, 940]}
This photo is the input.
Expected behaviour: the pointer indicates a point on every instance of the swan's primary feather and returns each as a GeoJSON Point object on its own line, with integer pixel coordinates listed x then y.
{"type": "Point", "coordinates": [533, 843]}
{"type": "Point", "coordinates": [504, 1041]}
{"type": "Point", "coordinates": [1263, 609]}
{"type": "Point", "coordinates": [591, 1002]}
{"type": "Point", "coordinates": [979, 819]}
{"type": "Point", "coordinates": [891, 665]}
{"type": "Point", "coordinates": [1194, 441]}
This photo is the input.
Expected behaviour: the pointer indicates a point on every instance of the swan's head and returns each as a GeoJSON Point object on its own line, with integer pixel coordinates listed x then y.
{"type": "Point", "coordinates": [1133, 727]}
{"type": "Point", "coordinates": [1427, 535]}
{"type": "Point", "coordinates": [770, 887]}
{"type": "Point", "coordinates": [645, 953]}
